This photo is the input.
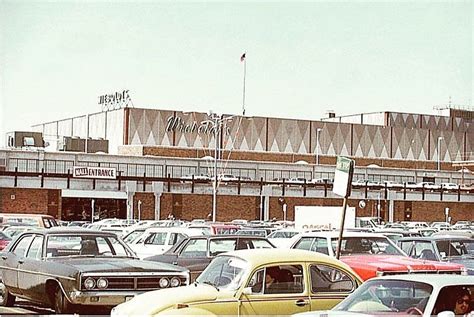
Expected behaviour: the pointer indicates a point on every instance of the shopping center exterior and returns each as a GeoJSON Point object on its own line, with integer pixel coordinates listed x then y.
{"type": "Point", "coordinates": [148, 164]}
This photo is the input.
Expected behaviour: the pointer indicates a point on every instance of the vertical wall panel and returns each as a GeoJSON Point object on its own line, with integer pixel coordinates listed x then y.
{"type": "Point", "coordinates": [115, 129]}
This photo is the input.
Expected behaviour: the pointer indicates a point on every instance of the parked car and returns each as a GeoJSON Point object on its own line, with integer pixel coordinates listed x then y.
{"type": "Point", "coordinates": [160, 239]}
{"type": "Point", "coordinates": [401, 295]}
{"type": "Point", "coordinates": [410, 185]}
{"type": "Point", "coordinates": [392, 184]}
{"type": "Point", "coordinates": [68, 268]}
{"type": "Point", "coordinates": [446, 248]}
{"type": "Point", "coordinates": [440, 225]}
{"type": "Point", "coordinates": [195, 253]}
{"type": "Point", "coordinates": [449, 186]}
{"type": "Point", "coordinates": [216, 228]}
{"type": "Point", "coordinates": [254, 232]}
{"type": "Point", "coordinates": [13, 231]}
{"type": "Point", "coordinates": [427, 185]}
{"type": "Point", "coordinates": [226, 177]}
{"type": "Point", "coordinates": [234, 284]}
{"type": "Point", "coordinates": [370, 254]}
{"type": "Point", "coordinates": [282, 238]}
{"type": "Point", "coordinates": [199, 177]}
{"type": "Point", "coordinates": [36, 220]}
{"type": "Point", "coordinates": [5, 240]}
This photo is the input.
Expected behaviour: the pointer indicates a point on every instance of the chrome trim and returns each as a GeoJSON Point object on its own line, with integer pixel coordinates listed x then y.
{"type": "Point", "coordinates": [105, 298]}
{"type": "Point", "coordinates": [39, 273]}
{"type": "Point", "coordinates": [133, 274]}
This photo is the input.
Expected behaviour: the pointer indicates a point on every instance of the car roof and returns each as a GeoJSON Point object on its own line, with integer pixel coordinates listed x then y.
{"type": "Point", "coordinates": [69, 230]}
{"type": "Point", "coordinates": [269, 256]}
{"type": "Point", "coordinates": [345, 234]}
{"type": "Point", "coordinates": [227, 236]}
{"type": "Point", "coordinates": [436, 238]}
{"type": "Point", "coordinates": [438, 280]}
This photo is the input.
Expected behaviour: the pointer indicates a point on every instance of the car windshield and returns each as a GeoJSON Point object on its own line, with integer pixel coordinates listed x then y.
{"type": "Point", "coordinates": [456, 247]}
{"type": "Point", "coordinates": [393, 296]}
{"type": "Point", "coordinates": [367, 245]}
{"type": "Point", "coordinates": [85, 245]}
{"type": "Point", "coordinates": [224, 272]}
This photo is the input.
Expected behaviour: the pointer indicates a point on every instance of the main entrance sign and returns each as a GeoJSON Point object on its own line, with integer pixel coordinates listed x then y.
{"type": "Point", "coordinates": [94, 172]}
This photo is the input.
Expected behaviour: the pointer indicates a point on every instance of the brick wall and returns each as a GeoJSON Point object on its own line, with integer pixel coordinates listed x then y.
{"type": "Point", "coordinates": [26, 200]}
{"type": "Point", "coordinates": [196, 206]}
{"type": "Point", "coordinates": [193, 206]}
{"type": "Point", "coordinates": [199, 206]}
{"type": "Point", "coordinates": [291, 158]}
{"type": "Point", "coordinates": [147, 207]}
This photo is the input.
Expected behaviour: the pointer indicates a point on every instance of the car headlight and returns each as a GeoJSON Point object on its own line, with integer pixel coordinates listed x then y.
{"type": "Point", "coordinates": [164, 282]}
{"type": "Point", "coordinates": [175, 282]}
{"type": "Point", "coordinates": [89, 283]}
{"type": "Point", "coordinates": [102, 283]}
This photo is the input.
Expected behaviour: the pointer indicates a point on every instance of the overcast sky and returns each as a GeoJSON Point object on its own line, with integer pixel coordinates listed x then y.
{"type": "Point", "coordinates": [303, 58]}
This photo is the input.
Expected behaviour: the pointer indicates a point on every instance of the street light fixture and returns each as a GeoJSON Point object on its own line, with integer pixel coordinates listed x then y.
{"type": "Point", "coordinates": [439, 154]}
{"type": "Point", "coordinates": [317, 145]}
{"type": "Point", "coordinates": [217, 121]}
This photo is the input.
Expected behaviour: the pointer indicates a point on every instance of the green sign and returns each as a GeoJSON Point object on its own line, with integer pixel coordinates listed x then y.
{"type": "Point", "coordinates": [343, 164]}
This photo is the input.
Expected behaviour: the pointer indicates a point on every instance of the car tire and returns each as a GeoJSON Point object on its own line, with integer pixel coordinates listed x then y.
{"type": "Point", "coordinates": [60, 304]}
{"type": "Point", "coordinates": [6, 299]}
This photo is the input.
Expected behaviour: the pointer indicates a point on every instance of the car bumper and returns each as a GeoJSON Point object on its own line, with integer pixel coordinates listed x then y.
{"type": "Point", "coordinates": [102, 298]}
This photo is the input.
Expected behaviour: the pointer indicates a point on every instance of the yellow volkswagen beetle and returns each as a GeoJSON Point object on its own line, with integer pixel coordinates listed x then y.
{"type": "Point", "coordinates": [253, 282]}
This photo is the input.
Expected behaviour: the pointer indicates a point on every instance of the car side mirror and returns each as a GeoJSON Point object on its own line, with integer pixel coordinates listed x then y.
{"type": "Point", "coordinates": [446, 313]}
{"type": "Point", "coordinates": [248, 291]}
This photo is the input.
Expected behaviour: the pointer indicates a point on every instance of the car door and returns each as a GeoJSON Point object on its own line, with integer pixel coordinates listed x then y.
{"type": "Point", "coordinates": [194, 256]}
{"type": "Point", "coordinates": [30, 279]}
{"type": "Point", "coordinates": [329, 285]}
{"type": "Point", "coordinates": [12, 260]}
{"type": "Point", "coordinates": [290, 296]}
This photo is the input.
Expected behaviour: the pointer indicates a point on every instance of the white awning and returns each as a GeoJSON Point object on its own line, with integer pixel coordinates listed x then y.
{"type": "Point", "coordinates": [93, 194]}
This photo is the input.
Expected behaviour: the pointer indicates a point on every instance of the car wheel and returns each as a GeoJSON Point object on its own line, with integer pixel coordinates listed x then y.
{"type": "Point", "coordinates": [6, 299]}
{"type": "Point", "coordinates": [61, 304]}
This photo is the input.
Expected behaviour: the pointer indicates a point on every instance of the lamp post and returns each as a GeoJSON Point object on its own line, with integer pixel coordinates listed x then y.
{"type": "Point", "coordinates": [439, 154]}
{"type": "Point", "coordinates": [217, 122]}
{"type": "Point", "coordinates": [139, 210]}
{"type": "Point", "coordinates": [317, 145]}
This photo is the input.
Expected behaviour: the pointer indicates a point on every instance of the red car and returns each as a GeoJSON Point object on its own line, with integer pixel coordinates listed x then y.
{"type": "Point", "coordinates": [371, 255]}
{"type": "Point", "coordinates": [4, 240]}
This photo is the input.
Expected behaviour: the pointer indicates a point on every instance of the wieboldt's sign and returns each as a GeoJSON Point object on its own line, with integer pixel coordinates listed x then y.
{"type": "Point", "coordinates": [94, 172]}
{"type": "Point", "coordinates": [203, 127]}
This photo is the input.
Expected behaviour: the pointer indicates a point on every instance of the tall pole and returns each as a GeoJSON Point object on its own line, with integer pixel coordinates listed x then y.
{"type": "Point", "coordinates": [214, 185]}
{"type": "Point", "coordinates": [439, 150]}
{"type": "Point", "coordinates": [139, 210]}
{"type": "Point", "coordinates": [244, 60]}
{"type": "Point", "coordinates": [341, 228]}
{"type": "Point", "coordinates": [317, 145]}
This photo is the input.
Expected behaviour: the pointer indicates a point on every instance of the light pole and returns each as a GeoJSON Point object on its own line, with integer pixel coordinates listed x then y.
{"type": "Point", "coordinates": [317, 145]}
{"type": "Point", "coordinates": [439, 154]}
{"type": "Point", "coordinates": [139, 209]}
{"type": "Point", "coordinates": [217, 121]}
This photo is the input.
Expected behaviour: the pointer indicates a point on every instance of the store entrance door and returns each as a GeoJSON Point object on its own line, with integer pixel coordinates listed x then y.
{"type": "Point", "coordinates": [80, 209]}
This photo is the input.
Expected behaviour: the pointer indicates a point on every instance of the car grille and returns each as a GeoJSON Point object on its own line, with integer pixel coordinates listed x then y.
{"type": "Point", "coordinates": [123, 283]}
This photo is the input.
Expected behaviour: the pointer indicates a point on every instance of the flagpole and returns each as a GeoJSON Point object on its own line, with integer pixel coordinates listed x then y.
{"type": "Point", "coordinates": [243, 92]}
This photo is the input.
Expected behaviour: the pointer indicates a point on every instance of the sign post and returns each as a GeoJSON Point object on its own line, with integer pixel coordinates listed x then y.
{"type": "Point", "coordinates": [342, 187]}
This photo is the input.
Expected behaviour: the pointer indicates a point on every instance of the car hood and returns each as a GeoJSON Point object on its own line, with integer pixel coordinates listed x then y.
{"type": "Point", "coordinates": [115, 264]}
{"type": "Point", "coordinates": [154, 302]}
{"type": "Point", "coordinates": [165, 258]}
{"type": "Point", "coordinates": [396, 263]}
{"type": "Point", "coordinates": [467, 262]}
{"type": "Point", "coordinates": [329, 313]}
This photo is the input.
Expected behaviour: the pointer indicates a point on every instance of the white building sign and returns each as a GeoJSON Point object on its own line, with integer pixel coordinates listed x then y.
{"type": "Point", "coordinates": [94, 172]}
